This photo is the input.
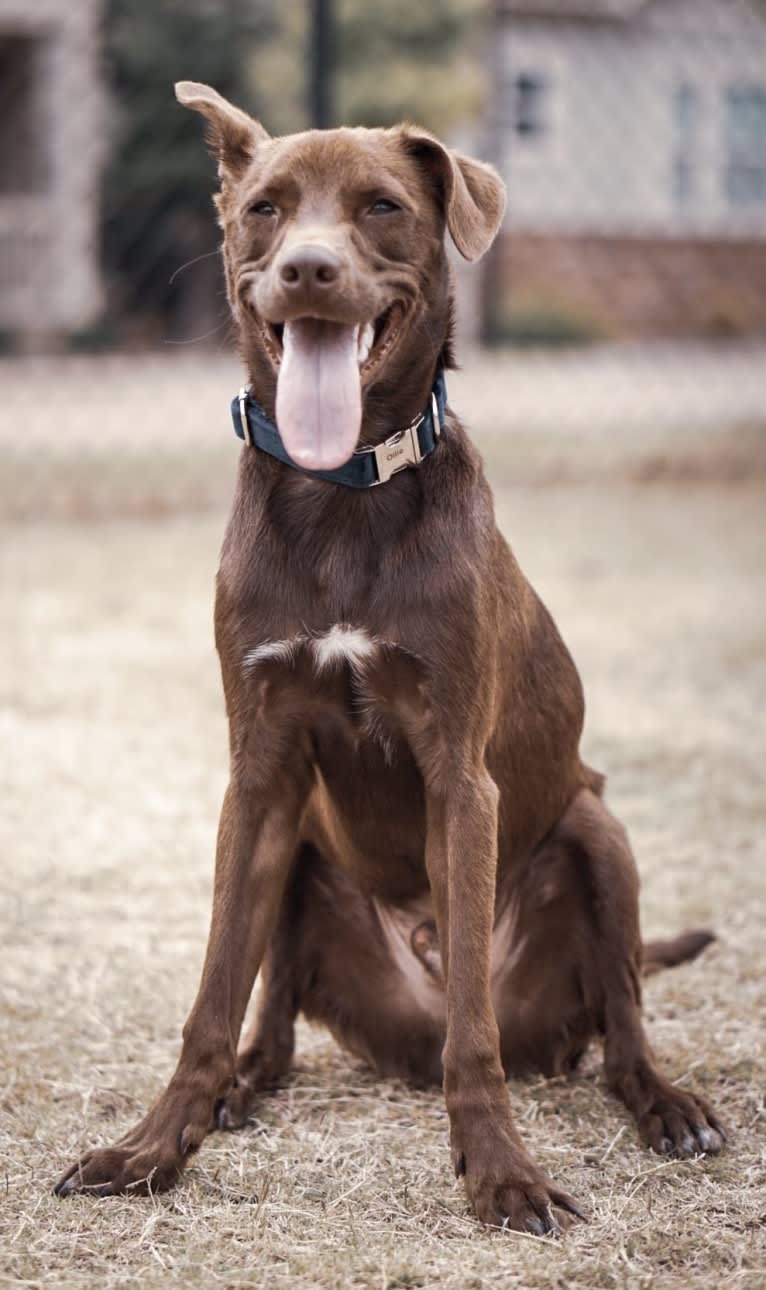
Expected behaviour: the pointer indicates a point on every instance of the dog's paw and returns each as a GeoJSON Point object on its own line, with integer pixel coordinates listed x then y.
{"type": "Point", "coordinates": [680, 1124]}
{"type": "Point", "coordinates": [530, 1203]}
{"type": "Point", "coordinates": [150, 1158]}
{"type": "Point", "coordinates": [260, 1069]}
{"type": "Point", "coordinates": [113, 1170]}
{"type": "Point", "coordinates": [507, 1190]}
{"type": "Point", "coordinates": [232, 1111]}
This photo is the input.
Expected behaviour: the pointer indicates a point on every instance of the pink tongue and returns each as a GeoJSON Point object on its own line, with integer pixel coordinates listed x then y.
{"type": "Point", "coordinates": [319, 395]}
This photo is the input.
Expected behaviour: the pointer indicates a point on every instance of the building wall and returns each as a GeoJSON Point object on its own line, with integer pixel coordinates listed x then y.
{"type": "Point", "coordinates": [639, 287]}
{"type": "Point", "coordinates": [606, 159]}
{"type": "Point", "coordinates": [605, 230]}
{"type": "Point", "coordinates": [49, 280]}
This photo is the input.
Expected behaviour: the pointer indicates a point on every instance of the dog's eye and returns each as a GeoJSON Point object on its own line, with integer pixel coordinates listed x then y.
{"type": "Point", "coordinates": [384, 206]}
{"type": "Point", "coordinates": [262, 208]}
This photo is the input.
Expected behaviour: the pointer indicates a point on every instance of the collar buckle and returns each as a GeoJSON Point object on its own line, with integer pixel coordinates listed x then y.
{"type": "Point", "coordinates": [400, 450]}
{"type": "Point", "coordinates": [436, 418]}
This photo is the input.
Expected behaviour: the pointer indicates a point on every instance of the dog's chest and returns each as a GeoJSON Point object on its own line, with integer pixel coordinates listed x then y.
{"type": "Point", "coordinates": [355, 695]}
{"type": "Point", "coordinates": [325, 652]}
{"type": "Point", "coordinates": [351, 677]}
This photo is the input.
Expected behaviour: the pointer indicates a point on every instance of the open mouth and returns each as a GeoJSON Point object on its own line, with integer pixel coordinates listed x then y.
{"type": "Point", "coordinates": [322, 368]}
{"type": "Point", "coordinates": [374, 340]}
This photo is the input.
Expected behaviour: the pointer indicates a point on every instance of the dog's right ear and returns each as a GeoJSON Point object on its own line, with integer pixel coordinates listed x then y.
{"type": "Point", "coordinates": [232, 134]}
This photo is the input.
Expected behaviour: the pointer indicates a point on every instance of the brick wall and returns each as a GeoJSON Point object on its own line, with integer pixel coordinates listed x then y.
{"type": "Point", "coordinates": [634, 287]}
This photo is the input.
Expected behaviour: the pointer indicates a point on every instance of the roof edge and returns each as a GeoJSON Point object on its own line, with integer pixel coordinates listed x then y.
{"type": "Point", "coordinates": [594, 10]}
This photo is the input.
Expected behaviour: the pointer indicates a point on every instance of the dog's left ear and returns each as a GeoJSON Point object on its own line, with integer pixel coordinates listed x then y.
{"type": "Point", "coordinates": [232, 134]}
{"type": "Point", "coordinates": [473, 192]}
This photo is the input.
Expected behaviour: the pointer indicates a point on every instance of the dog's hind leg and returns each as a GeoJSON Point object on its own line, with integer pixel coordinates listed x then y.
{"type": "Point", "coordinates": [670, 1120]}
{"type": "Point", "coordinates": [350, 964]}
{"type": "Point", "coordinates": [265, 1057]}
{"type": "Point", "coordinates": [542, 977]}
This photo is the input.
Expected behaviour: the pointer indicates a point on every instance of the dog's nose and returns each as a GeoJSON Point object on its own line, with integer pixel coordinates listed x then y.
{"type": "Point", "coordinates": [308, 267]}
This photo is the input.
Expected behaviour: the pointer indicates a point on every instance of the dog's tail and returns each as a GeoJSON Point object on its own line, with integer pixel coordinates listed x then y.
{"type": "Point", "coordinates": [679, 949]}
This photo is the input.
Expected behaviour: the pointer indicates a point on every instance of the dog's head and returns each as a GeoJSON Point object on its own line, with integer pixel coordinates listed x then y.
{"type": "Point", "coordinates": [335, 266]}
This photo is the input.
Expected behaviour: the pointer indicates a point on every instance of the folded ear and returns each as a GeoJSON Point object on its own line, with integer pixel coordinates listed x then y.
{"type": "Point", "coordinates": [473, 192]}
{"type": "Point", "coordinates": [232, 134]}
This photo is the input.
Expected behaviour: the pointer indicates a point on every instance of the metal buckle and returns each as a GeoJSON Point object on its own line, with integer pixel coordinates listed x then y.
{"type": "Point", "coordinates": [243, 421]}
{"type": "Point", "coordinates": [435, 415]}
{"type": "Point", "coordinates": [402, 449]}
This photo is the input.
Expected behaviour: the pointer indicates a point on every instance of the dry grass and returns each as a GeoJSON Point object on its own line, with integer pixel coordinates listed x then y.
{"type": "Point", "coordinates": [115, 760]}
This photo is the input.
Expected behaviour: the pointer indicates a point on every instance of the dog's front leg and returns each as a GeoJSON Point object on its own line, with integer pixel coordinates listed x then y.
{"type": "Point", "coordinates": [504, 1185]}
{"type": "Point", "coordinates": [256, 842]}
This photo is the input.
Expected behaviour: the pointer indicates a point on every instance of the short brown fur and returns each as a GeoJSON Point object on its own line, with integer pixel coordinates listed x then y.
{"type": "Point", "coordinates": [410, 845]}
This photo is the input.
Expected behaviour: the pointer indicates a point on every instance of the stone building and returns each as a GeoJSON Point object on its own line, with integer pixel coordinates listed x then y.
{"type": "Point", "coordinates": [632, 137]}
{"type": "Point", "coordinates": [51, 147]}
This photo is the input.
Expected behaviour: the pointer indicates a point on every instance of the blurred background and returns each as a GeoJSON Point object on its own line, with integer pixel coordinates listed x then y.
{"type": "Point", "coordinates": [624, 302]}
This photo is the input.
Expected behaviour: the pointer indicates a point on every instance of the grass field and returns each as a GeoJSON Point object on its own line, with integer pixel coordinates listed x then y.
{"type": "Point", "coordinates": [114, 760]}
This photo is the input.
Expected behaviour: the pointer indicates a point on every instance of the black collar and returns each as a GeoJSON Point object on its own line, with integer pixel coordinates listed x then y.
{"type": "Point", "coordinates": [368, 466]}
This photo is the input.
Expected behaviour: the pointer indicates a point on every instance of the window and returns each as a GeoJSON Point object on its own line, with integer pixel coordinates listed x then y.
{"type": "Point", "coordinates": [745, 172]}
{"type": "Point", "coordinates": [529, 104]}
{"type": "Point", "coordinates": [686, 108]}
{"type": "Point", "coordinates": [23, 137]}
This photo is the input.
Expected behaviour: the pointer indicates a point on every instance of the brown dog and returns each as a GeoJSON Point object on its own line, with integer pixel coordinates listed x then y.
{"type": "Point", "coordinates": [409, 843]}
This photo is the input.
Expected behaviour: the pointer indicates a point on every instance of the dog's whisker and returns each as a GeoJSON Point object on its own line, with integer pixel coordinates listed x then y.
{"type": "Point", "coordinates": [188, 264]}
{"type": "Point", "coordinates": [195, 340]}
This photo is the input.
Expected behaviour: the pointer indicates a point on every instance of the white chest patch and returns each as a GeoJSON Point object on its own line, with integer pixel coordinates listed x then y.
{"type": "Point", "coordinates": [341, 644]}
{"type": "Point", "coordinates": [350, 645]}
{"type": "Point", "coordinates": [282, 651]}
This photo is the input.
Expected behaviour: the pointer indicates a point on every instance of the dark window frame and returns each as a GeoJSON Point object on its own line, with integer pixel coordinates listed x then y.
{"type": "Point", "coordinates": [25, 163]}
{"type": "Point", "coordinates": [744, 177]}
